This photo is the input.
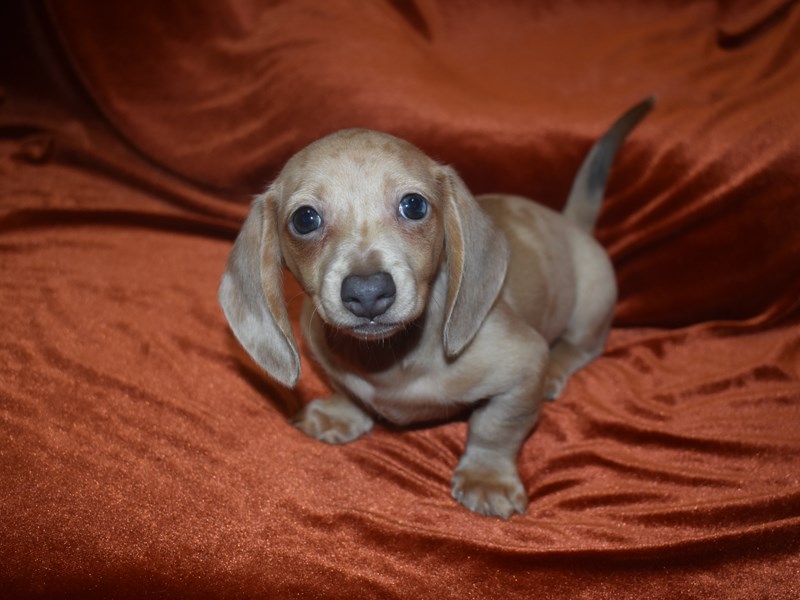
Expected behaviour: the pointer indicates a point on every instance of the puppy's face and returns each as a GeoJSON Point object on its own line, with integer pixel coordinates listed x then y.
{"type": "Point", "coordinates": [360, 222]}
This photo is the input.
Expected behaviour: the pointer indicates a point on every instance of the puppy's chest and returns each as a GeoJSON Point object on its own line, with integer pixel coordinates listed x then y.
{"type": "Point", "coordinates": [408, 394]}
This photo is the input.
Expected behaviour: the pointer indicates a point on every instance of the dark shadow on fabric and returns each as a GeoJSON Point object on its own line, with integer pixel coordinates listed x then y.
{"type": "Point", "coordinates": [41, 41]}
{"type": "Point", "coordinates": [411, 13]}
{"type": "Point", "coordinates": [284, 400]}
{"type": "Point", "coordinates": [763, 18]}
{"type": "Point", "coordinates": [47, 219]}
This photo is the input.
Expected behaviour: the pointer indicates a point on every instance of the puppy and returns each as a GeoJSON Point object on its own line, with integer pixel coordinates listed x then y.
{"type": "Point", "coordinates": [421, 299]}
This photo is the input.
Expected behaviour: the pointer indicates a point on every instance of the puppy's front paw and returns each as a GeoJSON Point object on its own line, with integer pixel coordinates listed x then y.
{"type": "Point", "coordinates": [335, 420]}
{"type": "Point", "coordinates": [489, 489]}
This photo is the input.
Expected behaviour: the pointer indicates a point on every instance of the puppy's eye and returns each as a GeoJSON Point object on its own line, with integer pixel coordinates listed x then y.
{"type": "Point", "coordinates": [305, 220]}
{"type": "Point", "coordinates": [413, 207]}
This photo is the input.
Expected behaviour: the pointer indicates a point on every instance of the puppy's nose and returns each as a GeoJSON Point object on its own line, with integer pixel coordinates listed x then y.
{"type": "Point", "coordinates": [368, 296]}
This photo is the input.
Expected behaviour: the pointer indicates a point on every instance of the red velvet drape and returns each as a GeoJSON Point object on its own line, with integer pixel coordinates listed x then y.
{"type": "Point", "coordinates": [141, 454]}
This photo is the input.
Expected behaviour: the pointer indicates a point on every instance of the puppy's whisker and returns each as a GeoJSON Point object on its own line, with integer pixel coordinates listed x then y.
{"type": "Point", "coordinates": [299, 294]}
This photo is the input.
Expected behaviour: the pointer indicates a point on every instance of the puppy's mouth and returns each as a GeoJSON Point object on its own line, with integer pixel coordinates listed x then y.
{"type": "Point", "coordinates": [373, 330]}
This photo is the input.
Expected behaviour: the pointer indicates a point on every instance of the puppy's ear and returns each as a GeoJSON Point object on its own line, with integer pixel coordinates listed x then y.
{"type": "Point", "coordinates": [251, 294]}
{"type": "Point", "coordinates": [477, 259]}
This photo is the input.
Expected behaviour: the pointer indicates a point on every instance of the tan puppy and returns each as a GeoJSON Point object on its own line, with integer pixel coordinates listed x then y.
{"type": "Point", "coordinates": [422, 299]}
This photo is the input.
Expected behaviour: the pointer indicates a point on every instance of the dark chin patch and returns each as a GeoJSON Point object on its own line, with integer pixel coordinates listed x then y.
{"type": "Point", "coordinates": [374, 354]}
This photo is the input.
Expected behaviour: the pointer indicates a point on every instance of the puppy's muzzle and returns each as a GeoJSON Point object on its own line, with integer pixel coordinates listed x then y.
{"type": "Point", "coordinates": [368, 296]}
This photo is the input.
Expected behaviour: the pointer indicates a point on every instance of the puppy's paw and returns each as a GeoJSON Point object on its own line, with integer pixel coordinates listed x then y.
{"type": "Point", "coordinates": [489, 489]}
{"type": "Point", "coordinates": [554, 384]}
{"type": "Point", "coordinates": [334, 421]}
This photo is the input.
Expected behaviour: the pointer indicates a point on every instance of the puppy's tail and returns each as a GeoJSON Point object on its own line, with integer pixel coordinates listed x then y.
{"type": "Point", "coordinates": [583, 202]}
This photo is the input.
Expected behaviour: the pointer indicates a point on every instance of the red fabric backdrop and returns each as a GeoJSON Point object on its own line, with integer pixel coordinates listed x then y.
{"type": "Point", "coordinates": [142, 454]}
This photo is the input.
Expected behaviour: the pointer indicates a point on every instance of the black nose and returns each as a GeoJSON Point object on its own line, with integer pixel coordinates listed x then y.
{"type": "Point", "coordinates": [368, 296]}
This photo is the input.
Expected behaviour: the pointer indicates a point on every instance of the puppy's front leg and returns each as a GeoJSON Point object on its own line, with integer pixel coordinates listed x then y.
{"type": "Point", "coordinates": [335, 420]}
{"type": "Point", "coordinates": [486, 478]}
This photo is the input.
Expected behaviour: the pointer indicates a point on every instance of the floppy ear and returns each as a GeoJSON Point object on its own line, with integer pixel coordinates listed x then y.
{"type": "Point", "coordinates": [477, 259]}
{"type": "Point", "coordinates": [251, 294]}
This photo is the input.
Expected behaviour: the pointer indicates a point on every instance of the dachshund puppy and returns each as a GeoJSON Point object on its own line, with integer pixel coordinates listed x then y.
{"type": "Point", "coordinates": [421, 299]}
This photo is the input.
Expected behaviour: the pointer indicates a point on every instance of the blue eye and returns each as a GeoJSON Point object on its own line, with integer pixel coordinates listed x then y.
{"type": "Point", "coordinates": [413, 207]}
{"type": "Point", "coordinates": [305, 220]}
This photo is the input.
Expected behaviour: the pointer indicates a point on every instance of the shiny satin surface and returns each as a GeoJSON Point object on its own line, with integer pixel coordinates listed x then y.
{"type": "Point", "coordinates": [141, 453]}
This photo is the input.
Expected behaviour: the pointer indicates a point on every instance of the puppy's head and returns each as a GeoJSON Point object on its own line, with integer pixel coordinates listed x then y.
{"type": "Point", "coordinates": [360, 223]}
{"type": "Point", "coordinates": [364, 221]}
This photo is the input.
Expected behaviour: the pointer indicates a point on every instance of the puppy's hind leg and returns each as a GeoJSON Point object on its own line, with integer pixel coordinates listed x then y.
{"type": "Point", "coordinates": [571, 353]}
{"type": "Point", "coordinates": [585, 336]}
